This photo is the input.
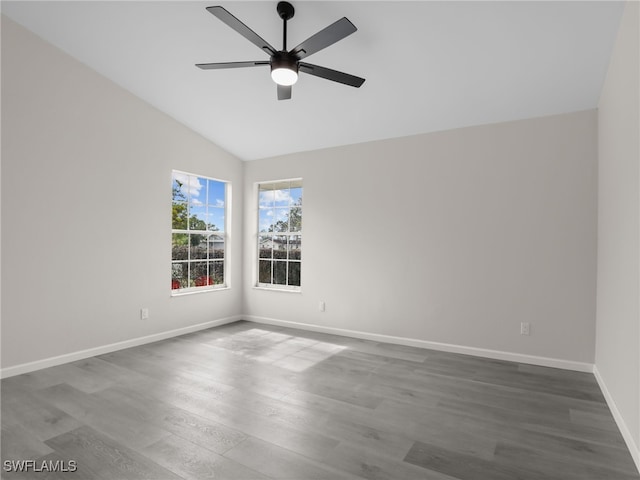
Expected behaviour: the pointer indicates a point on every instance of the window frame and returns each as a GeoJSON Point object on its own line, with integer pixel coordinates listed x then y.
{"type": "Point", "coordinates": [274, 286]}
{"type": "Point", "coordinates": [225, 234]}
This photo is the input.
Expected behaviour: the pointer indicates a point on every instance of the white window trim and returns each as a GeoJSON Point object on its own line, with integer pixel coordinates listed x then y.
{"type": "Point", "coordinates": [226, 234]}
{"type": "Point", "coordinates": [278, 288]}
{"type": "Point", "coordinates": [257, 285]}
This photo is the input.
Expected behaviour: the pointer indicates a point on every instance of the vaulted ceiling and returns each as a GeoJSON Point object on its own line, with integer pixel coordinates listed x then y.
{"type": "Point", "coordinates": [428, 66]}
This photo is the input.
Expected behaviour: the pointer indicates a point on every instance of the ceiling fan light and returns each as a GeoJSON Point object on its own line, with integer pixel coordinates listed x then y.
{"type": "Point", "coordinates": [284, 76]}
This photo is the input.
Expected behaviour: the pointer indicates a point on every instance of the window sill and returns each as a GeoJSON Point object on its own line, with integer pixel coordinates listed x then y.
{"type": "Point", "coordinates": [195, 292]}
{"type": "Point", "coordinates": [276, 289]}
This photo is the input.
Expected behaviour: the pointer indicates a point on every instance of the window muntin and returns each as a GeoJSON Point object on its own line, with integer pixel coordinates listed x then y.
{"type": "Point", "coordinates": [280, 234]}
{"type": "Point", "coordinates": [199, 236]}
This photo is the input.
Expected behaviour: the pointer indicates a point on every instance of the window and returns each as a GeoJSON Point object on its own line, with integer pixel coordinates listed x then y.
{"type": "Point", "coordinates": [198, 233]}
{"type": "Point", "coordinates": [280, 234]}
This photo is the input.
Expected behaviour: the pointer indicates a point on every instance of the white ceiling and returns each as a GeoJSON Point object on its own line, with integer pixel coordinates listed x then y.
{"type": "Point", "coordinates": [428, 65]}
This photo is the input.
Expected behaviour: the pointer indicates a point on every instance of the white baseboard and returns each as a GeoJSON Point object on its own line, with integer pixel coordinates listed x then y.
{"type": "Point", "coordinates": [622, 425]}
{"type": "Point", "coordinates": [444, 347]}
{"type": "Point", "coordinates": [112, 347]}
{"type": "Point", "coordinates": [411, 342]}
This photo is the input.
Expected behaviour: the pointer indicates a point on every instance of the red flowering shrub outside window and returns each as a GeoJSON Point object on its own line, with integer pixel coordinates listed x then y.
{"type": "Point", "coordinates": [198, 240]}
{"type": "Point", "coordinates": [202, 281]}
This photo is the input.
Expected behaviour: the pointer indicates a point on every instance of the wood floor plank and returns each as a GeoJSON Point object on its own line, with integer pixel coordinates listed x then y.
{"type": "Point", "coordinates": [191, 461]}
{"type": "Point", "coordinates": [372, 439]}
{"type": "Point", "coordinates": [492, 413]}
{"type": "Point", "coordinates": [110, 419]}
{"type": "Point", "coordinates": [568, 450]}
{"type": "Point", "coordinates": [516, 457]}
{"type": "Point", "coordinates": [463, 467]}
{"type": "Point", "coordinates": [278, 462]}
{"type": "Point", "coordinates": [20, 444]}
{"type": "Point", "coordinates": [305, 441]}
{"type": "Point", "coordinates": [114, 374]}
{"type": "Point", "coordinates": [343, 391]}
{"type": "Point", "coordinates": [35, 417]}
{"type": "Point", "coordinates": [446, 430]}
{"type": "Point", "coordinates": [603, 420]}
{"type": "Point", "coordinates": [194, 428]}
{"type": "Point", "coordinates": [376, 465]}
{"type": "Point", "coordinates": [105, 457]}
{"type": "Point", "coordinates": [276, 410]}
{"type": "Point", "coordinates": [40, 419]}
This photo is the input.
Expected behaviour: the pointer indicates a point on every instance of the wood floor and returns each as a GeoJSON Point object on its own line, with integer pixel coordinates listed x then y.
{"type": "Point", "coordinates": [249, 401]}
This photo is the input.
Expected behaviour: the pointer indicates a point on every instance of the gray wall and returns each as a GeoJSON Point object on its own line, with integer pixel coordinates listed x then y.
{"type": "Point", "coordinates": [452, 237]}
{"type": "Point", "coordinates": [618, 310]}
{"type": "Point", "coordinates": [86, 179]}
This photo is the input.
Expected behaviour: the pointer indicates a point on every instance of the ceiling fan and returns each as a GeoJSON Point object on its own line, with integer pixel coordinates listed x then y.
{"type": "Point", "coordinates": [285, 65]}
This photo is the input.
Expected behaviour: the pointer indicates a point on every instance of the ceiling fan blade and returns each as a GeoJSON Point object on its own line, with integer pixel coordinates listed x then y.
{"type": "Point", "coordinates": [324, 38]}
{"type": "Point", "coordinates": [284, 92]}
{"type": "Point", "coordinates": [216, 66]}
{"type": "Point", "coordinates": [333, 75]}
{"type": "Point", "coordinates": [242, 29]}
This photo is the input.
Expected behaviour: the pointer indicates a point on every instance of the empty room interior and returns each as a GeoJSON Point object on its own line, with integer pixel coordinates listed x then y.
{"type": "Point", "coordinates": [320, 240]}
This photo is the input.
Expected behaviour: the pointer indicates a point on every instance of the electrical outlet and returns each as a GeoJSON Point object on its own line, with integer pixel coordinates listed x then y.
{"type": "Point", "coordinates": [321, 306]}
{"type": "Point", "coordinates": [144, 313]}
{"type": "Point", "coordinates": [525, 328]}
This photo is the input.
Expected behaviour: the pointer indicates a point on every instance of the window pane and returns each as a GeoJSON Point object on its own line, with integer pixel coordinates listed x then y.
{"type": "Point", "coordinates": [179, 186]}
{"type": "Point", "coordinates": [197, 218]}
{"type": "Point", "coordinates": [179, 275]}
{"type": "Point", "coordinates": [295, 219]}
{"type": "Point", "coordinates": [295, 244]}
{"type": "Point", "coordinates": [294, 274]}
{"type": "Point", "coordinates": [215, 219]}
{"type": "Point", "coordinates": [179, 246]}
{"type": "Point", "coordinates": [281, 197]}
{"type": "Point", "coordinates": [281, 217]}
{"type": "Point", "coordinates": [296, 196]}
{"type": "Point", "coordinates": [280, 273]}
{"type": "Point", "coordinates": [216, 272]}
{"type": "Point", "coordinates": [264, 271]}
{"type": "Point", "coordinates": [215, 193]}
{"type": "Point", "coordinates": [216, 246]}
{"type": "Point", "coordinates": [179, 216]}
{"type": "Point", "coordinates": [199, 275]}
{"type": "Point", "coordinates": [280, 246]}
{"type": "Point", "coordinates": [198, 246]}
{"type": "Point", "coordinates": [266, 220]}
{"type": "Point", "coordinates": [265, 246]}
{"type": "Point", "coordinates": [265, 198]}
{"type": "Point", "coordinates": [197, 190]}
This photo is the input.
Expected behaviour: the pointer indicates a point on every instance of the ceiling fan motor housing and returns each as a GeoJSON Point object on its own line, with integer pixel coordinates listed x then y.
{"type": "Point", "coordinates": [284, 60]}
